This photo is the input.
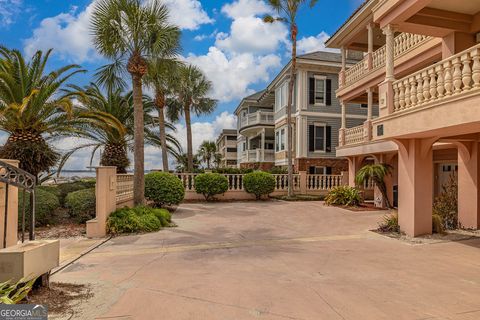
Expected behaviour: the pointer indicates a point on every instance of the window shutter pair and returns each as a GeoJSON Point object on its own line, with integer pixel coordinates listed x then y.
{"type": "Point", "coordinates": [311, 138]}
{"type": "Point", "coordinates": [328, 91]}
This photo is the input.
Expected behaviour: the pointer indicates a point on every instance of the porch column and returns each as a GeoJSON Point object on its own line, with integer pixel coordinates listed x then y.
{"type": "Point", "coordinates": [341, 79]}
{"type": "Point", "coordinates": [353, 167]}
{"type": "Point", "coordinates": [12, 211]}
{"type": "Point", "coordinates": [341, 138]}
{"type": "Point", "coordinates": [367, 129]}
{"type": "Point", "coordinates": [385, 89]}
{"type": "Point", "coordinates": [415, 186]}
{"type": "Point", "coordinates": [263, 145]}
{"type": "Point", "coordinates": [370, 46]}
{"type": "Point", "coordinates": [468, 188]}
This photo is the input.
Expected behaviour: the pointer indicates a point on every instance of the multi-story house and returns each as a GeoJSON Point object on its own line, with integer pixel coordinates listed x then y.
{"type": "Point", "coordinates": [422, 66]}
{"type": "Point", "coordinates": [227, 148]}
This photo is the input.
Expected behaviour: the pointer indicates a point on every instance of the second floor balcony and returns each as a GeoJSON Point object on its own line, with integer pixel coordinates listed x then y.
{"type": "Point", "coordinates": [257, 155]}
{"type": "Point", "coordinates": [256, 119]}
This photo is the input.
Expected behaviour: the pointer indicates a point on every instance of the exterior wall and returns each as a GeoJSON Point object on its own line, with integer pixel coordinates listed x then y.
{"type": "Point", "coordinates": [338, 165]}
{"type": "Point", "coordinates": [257, 165]}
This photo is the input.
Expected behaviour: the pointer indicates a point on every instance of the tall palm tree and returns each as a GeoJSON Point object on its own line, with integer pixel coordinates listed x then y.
{"type": "Point", "coordinates": [182, 163]}
{"type": "Point", "coordinates": [130, 32]}
{"type": "Point", "coordinates": [107, 122]}
{"type": "Point", "coordinates": [191, 93]}
{"type": "Point", "coordinates": [287, 11]}
{"type": "Point", "coordinates": [376, 173]}
{"type": "Point", "coordinates": [207, 152]}
{"type": "Point", "coordinates": [161, 78]}
{"type": "Point", "coordinates": [33, 109]}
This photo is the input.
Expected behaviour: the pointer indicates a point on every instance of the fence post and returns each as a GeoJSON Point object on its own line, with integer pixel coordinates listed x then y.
{"type": "Point", "coordinates": [303, 182]}
{"type": "Point", "coordinates": [106, 203]}
{"type": "Point", "coordinates": [12, 210]}
{"type": "Point", "coordinates": [344, 178]}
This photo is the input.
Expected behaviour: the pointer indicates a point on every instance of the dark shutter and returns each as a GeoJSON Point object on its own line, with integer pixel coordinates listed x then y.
{"type": "Point", "coordinates": [328, 138]}
{"type": "Point", "coordinates": [329, 92]}
{"type": "Point", "coordinates": [311, 91]}
{"type": "Point", "coordinates": [328, 170]}
{"type": "Point", "coordinates": [311, 138]}
{"type": "Point", "coordinates": [311, 170]}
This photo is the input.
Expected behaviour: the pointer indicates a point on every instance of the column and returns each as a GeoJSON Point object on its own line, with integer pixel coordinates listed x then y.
{"type": "Point", "coordinates": [341, 138]}
{"type": "Point", "coordinates": [12, 211]}
{"type": "Point", "coordinates": [353, 167]}
{"type": "Point", "coordinates": [367, 126]}
{"type": "Point", "coordinates": [468, 189]}
{"type": "Point", "coordinates": [385, 89]}
{"type": "Point", "coordinates": [341, 79]}
{"type": "Point", "coordinates": [262, 141]}
{"type": "Point", "coordinates": [415, 186]}
{"type": "Point", "coordinates": [370, 46]}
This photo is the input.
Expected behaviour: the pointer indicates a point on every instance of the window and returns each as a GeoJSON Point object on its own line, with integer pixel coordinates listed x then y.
{"type": "Point", "coordinates": [280, 140]}
{"type": "Point", "coordinates": [231, 149]}
{"type": "Point", "coordinates": [319, 90]}
{"type": "Point", "coordinates": [281, 96]}
{"type": "Point", "coordinates": [319, 138]}
{"type": "Point", "coordinates": [317, 170]}
{"type": "Point", "coordinates": [231, 138]}
{"type": "Point", "coordinates": [277, 141]}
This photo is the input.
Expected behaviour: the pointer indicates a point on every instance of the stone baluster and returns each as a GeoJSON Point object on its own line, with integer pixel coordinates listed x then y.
{"type": "Point", "coordinates": [419, 89]}
{"type": "Point", "coordinates": [476, 68]}
{"type": "Point", "coordinates": [426, 86]}
{"type": "Point", "coordinates": [466, 71]}
{"type": "Point", "coordinates": [396, 98]}
{"type": "Point", "coordinates": [433, 83]}
{"type": "Point", "coordinates": [447, 66]}
{"type": "Point", "coordinates": [413, 91]}
{"type": "Point", "coordinates": [457, 75]}
{"type": "Point", "coordinates": [401, 96]}
{"type": "Point", "coordinates": [408, 103]}
{"type": "Point", "coordinates": [440, 81]}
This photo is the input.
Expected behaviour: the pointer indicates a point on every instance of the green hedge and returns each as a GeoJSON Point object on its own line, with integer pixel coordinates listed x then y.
{"type": "Point", "coordinates": [45, 205]}
{"type": "Point", "coordinates": [343, 196]}
{"type": "Point", "coordinates": [65, 188]}
{"type": "Point", "coordinates": [259, 183]}
{"type": "Point", "coordinates": [211, 184]}
{"type": "Point", "coordinates": [138, 219]}
{"type": "Point", "coordinates": [81, 205]}
{"type": "Point", "coordinates": [164, 189]}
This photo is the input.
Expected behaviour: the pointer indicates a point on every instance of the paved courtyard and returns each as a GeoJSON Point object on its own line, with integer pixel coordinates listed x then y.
{"type": "Point", "coordinates": [277, 260]}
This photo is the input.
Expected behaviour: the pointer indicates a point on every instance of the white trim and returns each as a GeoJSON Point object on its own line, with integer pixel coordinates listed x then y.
{"type": "Point", "coordinates": [328, 115]}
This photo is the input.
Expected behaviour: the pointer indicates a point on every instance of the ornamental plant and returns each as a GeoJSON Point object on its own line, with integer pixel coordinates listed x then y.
{"type": "Point", "coordinates": [343, 196]}
{"type": "Point", "coordinates": [163, 189]}
{"type": "Point", "coordinates": [259, 183]}
{"type": "Point", "coordinates": [211, 184]}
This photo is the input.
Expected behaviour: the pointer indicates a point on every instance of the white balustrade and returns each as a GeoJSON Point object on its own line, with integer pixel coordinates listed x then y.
{"type": "Point", "coordinates": [354, 135]}
{"type": "Point", "coordinates": [453, 76]}
{"type": "Point", "coordinates": [323, 181]}
{"type": "Point", "coordinates": [259, 117]}
{"type": "Point", "coordinates": [281, 182]}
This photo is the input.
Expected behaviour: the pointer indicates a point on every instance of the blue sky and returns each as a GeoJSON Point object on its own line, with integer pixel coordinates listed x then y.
{"type": "Point", "coordinates": [225, 38]}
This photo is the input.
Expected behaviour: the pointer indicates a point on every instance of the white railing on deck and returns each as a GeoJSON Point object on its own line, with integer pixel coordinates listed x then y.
{"type": "Point", "coordinates": [323, 182]}
{"type": "Point", "coordinates": [124, 187]}
{"type": "Point", "coordinates": [281, 182]}
{"type": "Point", "coordinates": [453, 76]}
{"type": "Point", "coordinates": [354, 135]}
{"type": "Point", "coordinates": [356, 72]}
{"type": "Point", "coordinates": [257, 118]}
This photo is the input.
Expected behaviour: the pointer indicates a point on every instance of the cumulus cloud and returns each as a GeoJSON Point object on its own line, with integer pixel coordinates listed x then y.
{"type": "Point", "coordinates": [188, 14]}
{"type": "Point", "coordinates": [9, 10]}
{"type": "Point", "coordinates": [68, 33]}
{"type": "Point", "coordinates": [232, 76]}
{"type": "Point", "coordinates": [246, 8]}
{"type": "Point", "coordinates": [314, 43]}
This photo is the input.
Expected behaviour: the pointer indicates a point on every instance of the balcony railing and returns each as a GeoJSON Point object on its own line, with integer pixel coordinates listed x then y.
{"type": "Point", "coordinates": [454, 76]}
{"type": "Point", "coordinates": [258, 155]}
{"type": "Point", "coordinates": [404, 42]}
{"type": "Point", "coordinates": [259, 117]}
{"type": "Point", "coordinates": [354, 135]}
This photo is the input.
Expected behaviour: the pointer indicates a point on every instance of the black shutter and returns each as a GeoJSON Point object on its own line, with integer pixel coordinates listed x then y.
{"type": "Point", "coordinates": [328, 146]}
{"type": "Point", "coordinates": [311, 138]}
{"type": "Point", "coordinates": [311, 91]}
{"type": "Point", "coordinates": [328, 170]}
{"type": "Point", "coordinates": [311, 170]}
{"type": "Point", "coordinates": [329, 92]}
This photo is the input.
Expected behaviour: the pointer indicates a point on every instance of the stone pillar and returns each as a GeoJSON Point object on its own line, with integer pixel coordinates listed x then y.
{"type": "Point", "coordinates": [415, 186]}
{"type": "Point", "coordinates": [468, 188]}
{"type": "Point", "coordinates": [341, 138]}
{"type": "Point", "coordinates": [353, 167]}
{"type": "Point", "coordinates": [105, 193]}
{"type": "Point", "coordinates": [12, 210]}
{"type": "Point", "coordinates": [341, 78]}
{"type": "Point", "coordinates": [367, 130]}
{"type": "Point", "coordinates": [262, 141]}
{"type": "Point", "coordinates": [370, 46]}
{"type": "Point", "coordinates": [385, 89]}
{"type": "Point", "coordinates": [303, 182]}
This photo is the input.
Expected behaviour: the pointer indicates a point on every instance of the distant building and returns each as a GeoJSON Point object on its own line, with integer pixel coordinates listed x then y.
{"type": "Point", "coordinates": [227, 148]}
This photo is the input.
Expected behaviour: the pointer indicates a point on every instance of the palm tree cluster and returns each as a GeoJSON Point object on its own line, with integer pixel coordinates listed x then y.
{"type": "Point", "coordinates": [142, 45]}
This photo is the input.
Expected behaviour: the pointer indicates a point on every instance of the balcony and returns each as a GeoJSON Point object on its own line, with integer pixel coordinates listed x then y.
{"type": "Point", "coordinates": [257, 118]}
{"type": "Point", "coordinates": [258, 155]}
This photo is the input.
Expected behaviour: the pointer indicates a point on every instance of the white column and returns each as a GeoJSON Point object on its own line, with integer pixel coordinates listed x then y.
{"type": "Point", "coordinates": [341, 79]}
{"type": "Point", "coordinates": [370, 104]}
{"type": "Point", "coordinates": [390, 47]}
{"type": "Point", "coordinates": [344, 115]}
{"type": "Point", "coordinates": [263, 145]}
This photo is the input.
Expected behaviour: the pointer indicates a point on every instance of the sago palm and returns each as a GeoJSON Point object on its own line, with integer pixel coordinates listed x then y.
{"type": "Point", "coordinates": [161, 78]}
{"type": "Point", "coordinates": [129, 32]}
{"type": "Point", "coordinates": [207, 152]}
{"type": "Point", "coordinates": [191, 91]}
{"type": "Point", "coordinates": [376, 173]}
{"type": "Point", "coordinates": [33, 109]}
{"type": "Point", "coordinates": [287, 11]}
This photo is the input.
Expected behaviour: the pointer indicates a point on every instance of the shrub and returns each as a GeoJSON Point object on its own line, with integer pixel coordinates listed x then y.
{"type": "Point", "coordinates": [446, 204]}
{"type": "Point", "coordinates": [343, 196]}
{"type": "Point", "coordinates": [45, 205]}
{"type": "Point", "coordinates": [278, 170]}
{"type": "Point", "coordinates": [259, 183]}
{"type": "Point", "coordinates": [81, 205]}
{"type": "Point", "coordinates": [437, 224]}
{"type": "Point", "coordinates": [65, 188]}
{"type": "Point", "coordinates": [389, 223]}
{"type": "Point", "coordinates": [138, 219]}
{"type": "Point", "coordinates": [164, 189]}
{"type": "Point", "coordinates": [211, 184]}
{"type": "Point", "coordinates": [13, 293]}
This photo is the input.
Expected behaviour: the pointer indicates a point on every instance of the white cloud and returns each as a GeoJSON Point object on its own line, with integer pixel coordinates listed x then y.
{"type": "Point", "coordinates": [232, 76]}
{"type": "Point", "coordinates": [313, 43]}
{"type": "Point", "coordinates": [187, 14]}
{"type": "Point", "coordinates": [246, 8]}
{"type": "Point", "coordinates": [9, 10]}
{"type": "Point", "coordinates": [68, 33]}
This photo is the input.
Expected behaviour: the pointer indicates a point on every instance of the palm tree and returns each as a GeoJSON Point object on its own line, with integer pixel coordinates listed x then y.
{"type": "Point", "coordinates": [130, 32]}
{"type": "Point", "coordinates": [376, 173]}
{"type": "Point", "coordinates": [161, 77]}
{"type": "Point", "coordinates": [182, 163]}
{"type": "Point", "coordinates": [191, 93]}
{"type": "Point", "coordinates": [287, 11]}
{"type": "Point", "coordinates": [33, 109]}
{"type": "Point", "coordinates": [207, 152]}
{"type": "Point", "coordinates": [107, 122]}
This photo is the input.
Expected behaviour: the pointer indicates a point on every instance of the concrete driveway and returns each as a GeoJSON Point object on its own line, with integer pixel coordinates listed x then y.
{"type": "Point", "coordinates": [277, 260]}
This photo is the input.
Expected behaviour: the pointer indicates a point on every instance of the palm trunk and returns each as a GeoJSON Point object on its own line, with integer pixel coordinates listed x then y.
{"type": "Point", "coordinates": [163, 137]}
{"type": "Point", "coordinates": [289, 109]}
{"type": "Point", "coordinates": [138, 153]}
{"type": "Point", "coordinates": [189, 138]}
{"type": "Point", "coordinates": [383, 191]}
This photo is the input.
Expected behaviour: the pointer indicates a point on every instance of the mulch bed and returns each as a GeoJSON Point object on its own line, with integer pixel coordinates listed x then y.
{"type": "Point", "coordinates": [364, 207]}
{"type": "Point", "coordinates": [65, 230]}
{"type": "Point", "coordinates": [60, 298]}
{"type": "Point", "coordinates": [449, 235]}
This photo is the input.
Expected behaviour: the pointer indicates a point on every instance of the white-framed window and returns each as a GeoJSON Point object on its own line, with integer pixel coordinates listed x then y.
{"type": "Point", "coordinates": [318, 170]}
{"type": "Point", "coordinates": [280, 140]}
{"type": "Point", "coordinates": [320, 89]}
{"type": "Point", "coordinates": [319, 137]}
{"type": "Point", "coordinates": [277, 141]}
{"type": "Point", "coordinates": [281, 96]}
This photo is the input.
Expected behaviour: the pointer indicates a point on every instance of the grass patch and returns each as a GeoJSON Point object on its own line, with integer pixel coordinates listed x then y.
{"type": "Point", "coordinates": [300, 197]}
